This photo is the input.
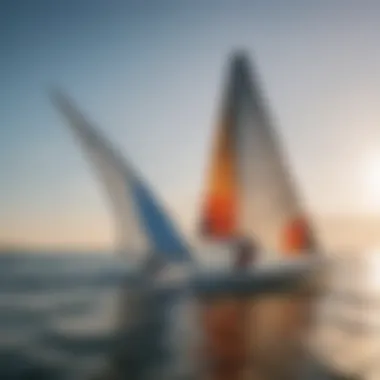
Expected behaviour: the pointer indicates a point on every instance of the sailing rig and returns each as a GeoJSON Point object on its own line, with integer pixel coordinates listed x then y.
{"type": "Point", "coordinates": [249, 193]}
{"type": "Point", "coordinates": [249, 189]}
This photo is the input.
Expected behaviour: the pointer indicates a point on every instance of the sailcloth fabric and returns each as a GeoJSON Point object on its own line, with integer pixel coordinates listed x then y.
{"type": "Point", "coordinates": [271, 209]}
{"type": "Point", "coordinates": [249, 190]}
{"type": "Point", "coordinates": [143, 225]}
{"type": "Point", "coordinates": [219, 215]}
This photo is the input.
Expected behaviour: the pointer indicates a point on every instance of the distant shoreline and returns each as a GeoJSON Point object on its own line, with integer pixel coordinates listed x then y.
{"type": "Point", "coordinates": [15, 250]}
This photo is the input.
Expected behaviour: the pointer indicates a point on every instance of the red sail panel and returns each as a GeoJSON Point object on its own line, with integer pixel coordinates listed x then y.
{"type": "Point", "coordinates": [297, 237]}
{"type": "Point", "coordinates": [219, 215]}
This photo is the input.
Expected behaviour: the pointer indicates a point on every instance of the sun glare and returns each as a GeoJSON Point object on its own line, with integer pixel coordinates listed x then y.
{"type": "Point", "coordinates": [371, 180]}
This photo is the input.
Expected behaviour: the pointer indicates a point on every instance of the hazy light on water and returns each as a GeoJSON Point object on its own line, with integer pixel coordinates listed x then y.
{"type": "Point", "coordinates": [346, 336]}
{"type": "Point", "coordinates": [371, 179]}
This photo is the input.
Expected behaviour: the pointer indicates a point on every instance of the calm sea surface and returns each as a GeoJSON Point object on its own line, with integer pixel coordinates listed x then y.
{"type": "Point", "coordinates": [57, 314]}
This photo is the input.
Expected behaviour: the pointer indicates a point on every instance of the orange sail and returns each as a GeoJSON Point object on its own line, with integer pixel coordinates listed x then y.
{"type": "Point", "coordinates": [219, 219]}
{"type": "Point", "coordinates": [219, 215]}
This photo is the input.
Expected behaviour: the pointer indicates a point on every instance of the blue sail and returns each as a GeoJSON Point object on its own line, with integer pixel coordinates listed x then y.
{"type": "Point", "coordinates": [158, 226]}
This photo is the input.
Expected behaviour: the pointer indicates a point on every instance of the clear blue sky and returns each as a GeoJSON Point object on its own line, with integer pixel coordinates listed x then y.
{"type": "Point", "coordinates": [150, 73]}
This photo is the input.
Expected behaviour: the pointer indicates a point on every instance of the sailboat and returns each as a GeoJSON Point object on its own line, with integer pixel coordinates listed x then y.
{"type": "Point", "coordinates": [250, 194]}
{"type": "Point", "coordinates": [144, 226]}
{"type": "Point", "coordinates": [144, 232]}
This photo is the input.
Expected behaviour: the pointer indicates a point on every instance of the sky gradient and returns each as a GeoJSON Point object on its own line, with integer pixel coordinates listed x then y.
{"type": "Point", "coordinates": [150, 73]}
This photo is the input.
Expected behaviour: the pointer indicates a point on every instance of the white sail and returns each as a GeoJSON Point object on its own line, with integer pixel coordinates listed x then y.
{"type": "Point", "coordinates": [142, 223]}
{"type": "Point", "coordinates": [269, 199]}
{"type": "Point", "coordinates": [249, 190]}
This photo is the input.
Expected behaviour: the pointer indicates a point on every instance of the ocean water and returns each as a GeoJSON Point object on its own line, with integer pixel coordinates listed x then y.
{"type": "Point", "coordinates": [58, 314]}
{"type": "Point", "coordinates": [59, 319]}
